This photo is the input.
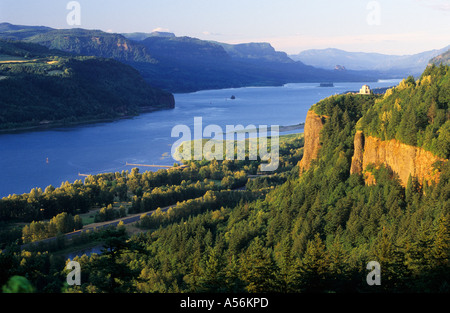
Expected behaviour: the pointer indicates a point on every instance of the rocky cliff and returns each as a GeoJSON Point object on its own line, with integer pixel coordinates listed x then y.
{"type": "Point", "coordinates": [402, 159]}
{"type": "Point", "coordinates": [358, 156]}
{"type": "Point", "coordinates": [313, 126]}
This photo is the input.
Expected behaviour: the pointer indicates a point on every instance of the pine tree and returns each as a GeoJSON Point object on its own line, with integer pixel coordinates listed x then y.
{"type": "Point", "coordinates": [233, 281]}
{"type": "Point", "coordinates": [258, 268]}
{"type": "Point", "coordinates": [407, 130]}
{"type": "Point", "coordinates": [314, 266]}
{"type": "Point", "coordinates": [194, 277]}
{"type": "Point", "coordinates": [395, 273]}
{"type": "Point", "coordinates": [440, 249]}
{"type": "Point", "coordinates": [339, 264]}
{"type": "Point", "coordinates": [439, 275]}
{"type": "Point", "coordinates": [289, 268]}
{"type": "Point", "coordinates": [213, 276]}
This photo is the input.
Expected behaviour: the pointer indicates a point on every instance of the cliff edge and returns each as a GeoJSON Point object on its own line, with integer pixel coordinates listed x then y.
{"type": "Point", "coordinates": [313, 126]}
{"type": "Point", "coordinates": [404, 160]}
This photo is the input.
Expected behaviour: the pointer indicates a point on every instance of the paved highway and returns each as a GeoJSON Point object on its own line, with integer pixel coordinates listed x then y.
{"type": "Point", "coordinates": [126, 220]}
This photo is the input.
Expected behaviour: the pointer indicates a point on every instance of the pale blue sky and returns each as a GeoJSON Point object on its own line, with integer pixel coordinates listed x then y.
{"type": "Point", "coordinates": [398, 27]}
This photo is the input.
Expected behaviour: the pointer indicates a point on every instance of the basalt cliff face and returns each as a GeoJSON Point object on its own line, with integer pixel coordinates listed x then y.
{"type": "Point", "coordinates": [404, 160]}
{"type": "Point", "coordinates": [313, 126]}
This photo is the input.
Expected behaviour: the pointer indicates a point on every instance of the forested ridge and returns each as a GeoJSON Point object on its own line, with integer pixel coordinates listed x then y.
{"type": "Point", "coordinates": [314, 232]}
{"type": "Point", "coordinates": [40, 87]}
{"type": "Point", "coordinates": [415, 112]}
{"type": "Point", "coordinates": [442, 59]}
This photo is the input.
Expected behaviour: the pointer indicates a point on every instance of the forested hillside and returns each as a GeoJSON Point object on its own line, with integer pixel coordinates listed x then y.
{"type": "Point", "coordinates": [415, 112]}
{"type": "Point", "coordinates": [93, 43]}
{"type": "Point", "coordinates": [39, 86]}
{"type": "Point", "coordinates": [314, 232]}
{"type": "Point", "coordinates": [443, 58]}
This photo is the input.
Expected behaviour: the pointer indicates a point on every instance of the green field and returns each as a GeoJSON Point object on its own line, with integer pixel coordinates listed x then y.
{"type": "Point", "coordinates": [283, 140]}
{"type": "Point", "coordinates": [11, 59]}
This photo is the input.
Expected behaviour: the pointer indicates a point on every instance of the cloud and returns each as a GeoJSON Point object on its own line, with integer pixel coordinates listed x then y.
{"type": "Point", "coordinates": [161, 30]}
{"type": "Point", "coordinates": [207, 33]}
{"type": "Point", "coordinates": [440, 5]}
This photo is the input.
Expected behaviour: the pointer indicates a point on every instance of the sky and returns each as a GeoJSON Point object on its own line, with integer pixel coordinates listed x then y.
{"type": "Point", "coordinates": [384, 26]}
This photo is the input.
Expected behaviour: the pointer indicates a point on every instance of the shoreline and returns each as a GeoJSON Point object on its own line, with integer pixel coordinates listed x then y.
{"type": "Point", "coordinates": [144, 110]}
{"type": "Point", "coordinates": [108, 120]}
{"type": "Point", "coordinates": [61, 124]}
{"type": "Point", "coordinates": [284, 129]}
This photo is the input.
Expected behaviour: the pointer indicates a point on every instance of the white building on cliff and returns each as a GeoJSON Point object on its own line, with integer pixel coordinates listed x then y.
{"type": "Point", "coordinates": [365, 90]}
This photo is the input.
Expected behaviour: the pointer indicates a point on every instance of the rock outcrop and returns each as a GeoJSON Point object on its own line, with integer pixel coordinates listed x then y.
{"type": "Point", "coordinates": [404, 160]}
{"type": "Point", "coordinates": [313, 126]}
{"type": "Point", "coordinates": [358, 156]}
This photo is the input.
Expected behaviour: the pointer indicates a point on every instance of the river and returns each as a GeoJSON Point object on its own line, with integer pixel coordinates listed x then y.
{"type": "Point", "coordinates": [50, 157]}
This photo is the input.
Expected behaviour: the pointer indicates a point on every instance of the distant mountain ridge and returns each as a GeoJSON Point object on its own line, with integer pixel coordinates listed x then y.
{"type": "Point", "coordinates": [256, 51]}
{"type": "Point", "coordinates": [95, 43]}
{"type": "Point", "coordinates": [184, 64]}
{"type": "Point", "coordinates": [79, 41]}
{"type": "Point", "coordinates": [139, 36]}
{"type": "Point", "coordinates": [443, 58]}
{"type": "Point", "coordinates": [391, 64]}
{"type": "Point", "coordinates": [21, 31]}
{"type": "Point", "coordinates": [184, 49]}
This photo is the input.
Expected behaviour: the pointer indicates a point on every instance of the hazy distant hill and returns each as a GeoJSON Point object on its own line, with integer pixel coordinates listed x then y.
{"type": "Point", "coordinates": [93, 42]}
{"type": "Point", "coordinates": [256, 52]}
{"type": "Point", "coordinates": [79, 41]}
{"type": "Point", "coordinates": [39, 86]}
{"type": "Point", "coordinates": [18, 32]}
{"type": "Point", "coordinates": [139, 36]}
{"type": "Point", "coordinates": [443, 58]}
{"type": "Point", "coordinates": [393, 64]}
{"type": "Point", "coordinates": [185, 50]}
{"type": "Point", "coordinates": [184, 64]}
{"type": "Point", "coordinates": [188, 64]}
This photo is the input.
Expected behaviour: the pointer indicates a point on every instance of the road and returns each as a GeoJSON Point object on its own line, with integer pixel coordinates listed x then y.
{"type": "Point", "coordinates": [126, 220]}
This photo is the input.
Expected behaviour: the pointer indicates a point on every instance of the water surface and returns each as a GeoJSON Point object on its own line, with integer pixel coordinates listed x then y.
{"type": "Point", "coordinates": [146, 139]}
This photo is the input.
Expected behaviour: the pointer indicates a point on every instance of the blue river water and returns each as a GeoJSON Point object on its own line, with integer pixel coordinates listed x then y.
{"type": "Point", "coordinates": [50, 157]}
